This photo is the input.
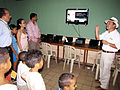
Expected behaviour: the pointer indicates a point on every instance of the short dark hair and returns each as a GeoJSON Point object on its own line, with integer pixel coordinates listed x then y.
{"type": "Point", "coordinates": [2, 12]}
{"type": "Point", "coordinates": [4, 55]}
{"type": "Point", "coordinates": [22, 55]}
{"type": "Point", "coordinates": [33, 57]}
{"type": "Point", "coordinates": [12, 26]}
{"type": "Point", "coordinates": [32, 15]}
{"type": "Point", "coordinates": [19, 21]}
{"type": "Point", "coordinates": [65, 80]}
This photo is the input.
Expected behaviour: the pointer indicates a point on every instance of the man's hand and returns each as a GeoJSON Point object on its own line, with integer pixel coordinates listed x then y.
{"type": "Point", "coordinates": [39, 40]}
{"type": "Point", "coordinates": [97, 28]}
{"type": "Point", "coordinates": [108, 43]}
{"type": "Point", "coordinates": [105, 42]}
{"type": "Point", "coordinates": [97, 32]}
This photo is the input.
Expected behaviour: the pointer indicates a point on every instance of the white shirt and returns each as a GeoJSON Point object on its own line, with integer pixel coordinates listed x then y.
{"type": "Point", "coordinates": [5, 34]}
{"type": "Point", "coordinates": [34, 81]}
{"type": "Point", "coordinates": [21, 69]}
{"type": "Point", "coordinates": [112, 37]}
{"type": "Point", "coordinates": [8, 87]}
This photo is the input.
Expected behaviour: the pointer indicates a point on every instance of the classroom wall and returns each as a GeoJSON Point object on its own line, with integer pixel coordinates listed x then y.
{"type": "Point", "coordinates": [52, 14]}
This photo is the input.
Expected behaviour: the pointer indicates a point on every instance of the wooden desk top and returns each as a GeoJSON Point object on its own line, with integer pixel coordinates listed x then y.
{"type": "Point", "coordinates": [85, 47]}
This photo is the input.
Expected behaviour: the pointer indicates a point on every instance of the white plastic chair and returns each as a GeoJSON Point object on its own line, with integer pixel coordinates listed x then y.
{"type": "Point", "coordinates": [97, 64]}
{"type": "Point", "coordinates": [54, 52]}
{"type": "Point", "coordinates": [117, 68]}
{"type": "Point", "coordinates": [49, 53]}
{"type": "Point", "coordinates": [70, 55]}
{"type": "Point", "coordinates": [43, 44]}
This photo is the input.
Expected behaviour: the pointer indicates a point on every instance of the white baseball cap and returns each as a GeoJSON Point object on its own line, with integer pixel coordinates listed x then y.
{"type": "Point", "coordinates": [114, 20]}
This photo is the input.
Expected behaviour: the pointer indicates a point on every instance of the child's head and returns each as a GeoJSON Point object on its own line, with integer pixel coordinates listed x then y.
{"type": "Point", "coordinates": [21, 23]}
{"type": "Point", "coordinates": [22, 56]}
{"type": "Point", "coordinates": [5, 63]}
{"type": "Point", "coordinates": [34, 59]}
{"type": "Point", "coordinates": [67, 81]}
{"type": "Point", "coordinates": [13, 28]}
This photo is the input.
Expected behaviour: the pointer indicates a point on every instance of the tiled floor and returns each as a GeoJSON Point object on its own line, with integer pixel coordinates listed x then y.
{"type": "Point", "coordinates": [85, 77]}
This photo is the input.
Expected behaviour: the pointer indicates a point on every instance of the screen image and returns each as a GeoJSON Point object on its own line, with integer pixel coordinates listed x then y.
{"type": "Point", "coordinates": [80, 14]}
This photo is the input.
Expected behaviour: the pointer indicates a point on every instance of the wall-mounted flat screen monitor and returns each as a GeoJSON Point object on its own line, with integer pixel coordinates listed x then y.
{"type": "Point", "coordinates": [77, 16]}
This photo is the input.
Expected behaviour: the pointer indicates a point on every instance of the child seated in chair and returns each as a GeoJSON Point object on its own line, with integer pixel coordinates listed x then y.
{"type": "Point", "coordinates": [5, 66]}
{"type": "Point", "coordinates": [22, 67]}
{"type": "Point", "coordinates": [33, 78]}
{"type": "Point", "coordinates": [67, 81]}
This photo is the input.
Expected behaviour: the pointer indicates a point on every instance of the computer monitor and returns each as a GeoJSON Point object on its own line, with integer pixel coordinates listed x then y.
{"type": "Point", "coordinates": [68, 40]}
{"type": "Point", "coordinates": [58, 39]}
{"type": "Point", "coordinates": [93, 43]}
{"type": "Point", "coordinates": [50, 37]}
{"type": "Point", "coordinates": [80, 42]}
{"type": "Point", "coordinates": [43, 37]}
{"type": "Point", "coordinates": [77, 16]}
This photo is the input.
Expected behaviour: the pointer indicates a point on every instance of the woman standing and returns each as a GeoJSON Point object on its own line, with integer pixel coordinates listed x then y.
{"type": "Point", "coordinates": [22, 35]}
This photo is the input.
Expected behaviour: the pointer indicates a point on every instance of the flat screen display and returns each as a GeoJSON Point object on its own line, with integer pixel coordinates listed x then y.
{"type": "Point", "coordinates": [77, 16]}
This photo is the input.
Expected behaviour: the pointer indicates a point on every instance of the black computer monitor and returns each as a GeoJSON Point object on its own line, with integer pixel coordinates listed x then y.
{"type": "Point", "coordinates": [93, 43]}
{"type": "Point", "coordinates": [68, 41]}
{"type": "Point", "coordinates": [80, 42]}
{"type": "Point", "coordinates": [58, 39]}
{"type": "Point", "coordinates": [43, 37]}
{"type": "Point", "coordinates": [50, 37]}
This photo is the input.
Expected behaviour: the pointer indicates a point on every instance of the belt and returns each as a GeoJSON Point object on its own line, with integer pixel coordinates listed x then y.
{"type": "Point", "coordinates": [6, 47]}
{"type": "Point", "coordinates": [108, 51]}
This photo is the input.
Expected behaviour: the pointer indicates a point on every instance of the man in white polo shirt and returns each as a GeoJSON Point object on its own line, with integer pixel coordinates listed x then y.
{"type": "Point", "coordinates": [111, 44]}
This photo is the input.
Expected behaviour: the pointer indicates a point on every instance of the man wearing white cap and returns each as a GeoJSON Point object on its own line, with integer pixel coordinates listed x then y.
{"type": "Point", "coordinates": [111, 44]}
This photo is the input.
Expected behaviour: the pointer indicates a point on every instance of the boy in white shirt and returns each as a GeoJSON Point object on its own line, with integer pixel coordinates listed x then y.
{"type": "Point", "coordinates": [22, 67]}
{"type": "Point", "coordinates": [33, 78]}
{"type": "Point", "coordinates": [5, 66]}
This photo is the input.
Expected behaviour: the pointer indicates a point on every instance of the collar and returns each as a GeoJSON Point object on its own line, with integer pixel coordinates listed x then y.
{"type": "Point", "coordinates": [3, 21]}
{"type": "Point", "coordinates": [32, 22]}
{"type": "Point", "coordinates": [112, 31]}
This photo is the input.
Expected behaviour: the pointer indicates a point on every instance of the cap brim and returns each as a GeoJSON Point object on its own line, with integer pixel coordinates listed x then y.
{"type": "Point", "coordinates": [117, 25]}
{"type": "Point", "coordinates": [106, 21]}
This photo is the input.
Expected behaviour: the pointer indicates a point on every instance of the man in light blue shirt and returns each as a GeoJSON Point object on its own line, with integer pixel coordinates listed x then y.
{"type": "Point", "coordinates": [5, 33]}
